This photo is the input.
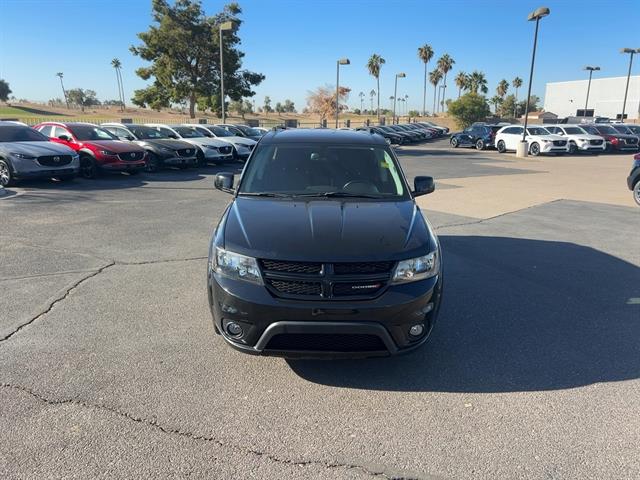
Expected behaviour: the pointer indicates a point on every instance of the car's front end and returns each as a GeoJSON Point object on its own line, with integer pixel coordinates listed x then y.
{"type": "Point", "coordinates": [633, 180]}
{"type": "Point", "coordinates": [174, 153]}
{"type": "Point", "coordinates": [214, 151]}
{"type": "Point", "coordinates": [116, 156]}
{"type": "Point", "coordinates": [31, 160]}
{"type": "Point", "coordinates": [588, 143]}
{"type": "Point", "coordinates": [550, 143]}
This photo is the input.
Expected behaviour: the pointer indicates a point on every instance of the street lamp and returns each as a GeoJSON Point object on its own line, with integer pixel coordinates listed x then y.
{"type": "Point", "coordinates": [535, 15]}
{"type": "Point", "coordinates": [395, 93]}
{"type": "Point", "coordinates": [631, 51]}
{"type": "Point", "coordinates": [342, 61]}
{"type": "Point", "coordinates": [223, 27]}
{"type": "Point", "coordinates": [586, 102]}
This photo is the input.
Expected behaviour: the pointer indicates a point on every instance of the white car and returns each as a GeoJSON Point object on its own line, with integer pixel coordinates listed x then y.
{"type": "Point", "coordinates": [209, 149]}
{"type": "Point", "coordinates": [242, 146]}
{"type": "Point", "coordinates": [538, 138]}
{"type": "Point", "coordinates": [579, 139]}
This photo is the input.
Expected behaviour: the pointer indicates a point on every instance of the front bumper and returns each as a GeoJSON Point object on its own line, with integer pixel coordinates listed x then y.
{"type": "Point", "coordinates": [587, 147]}
{"type": "Point", "coordinates": [176, 161]}
{"type": "Point", "coordinates": [123, 166]}
{"type": "Point", "coordinates": [215, 156]}
{"type": "Point", "coordinates": [551, 148]}
{"type": "Point", "coordinates": [46, 173]}
{"type": "Point", "coordinates": [264, 317]}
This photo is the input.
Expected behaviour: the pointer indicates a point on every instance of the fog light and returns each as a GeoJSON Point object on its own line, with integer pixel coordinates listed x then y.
{"type": "Point", "coordinates": [234, 329]}
{"type": "Point", "coordinates": [415, 330]}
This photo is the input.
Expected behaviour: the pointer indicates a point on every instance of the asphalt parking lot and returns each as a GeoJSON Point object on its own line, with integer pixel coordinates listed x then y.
{"type": "Point", "coordinates": [109, 366]}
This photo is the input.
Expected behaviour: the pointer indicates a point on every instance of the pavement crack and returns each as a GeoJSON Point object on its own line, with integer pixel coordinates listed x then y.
{"type": "Point", "coordinates": [169, 260]}
{"type": "Point", "coordinates": [53, 303]}
{"type": "Point", "coordinates": [373, 472]}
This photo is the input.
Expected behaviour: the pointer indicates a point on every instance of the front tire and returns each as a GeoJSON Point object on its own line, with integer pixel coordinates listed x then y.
{"type": "Point", "coordinates": [6, 178]}
{"type": "Point", "coordinates": [572, 148]}
{"type": "Point", "coordinates": [153, 163]}
{"type": "Point", "coordinates": [454, 142]}
{"type": "Point", "coordinates": [480, 145]}
{"type": "Point", "coordinates": [636, 192]}
{"type": "Point", "coordinates": [534, 149]}
{"type": "Point", "coordinates": [201, 161]}
{"type": "Point", "coordinates": [501, 146]}
{"type": "Point", "coordinates": [88, 167]}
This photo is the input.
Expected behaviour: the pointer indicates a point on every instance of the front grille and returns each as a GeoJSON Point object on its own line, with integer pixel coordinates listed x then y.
{"type": "Point", "coordinates": [186, 152]}
{"type": "Point", "coordinates": [296, 287]}
{"type": "Point", "coordinates": [131, 156]}
{"type": "Point", "coordinates": [326, 342]}
{"type": "Point", "coordinates": [631, 141]}
{"type": "Point", "coordinates": [55, 160]}
{"type": "Point", "coordinates": [595, 142]}
{"type": "Point", "coordinates": [306, 280]}
{"type": "Point", "coordinates": [225, 150]}
{"type": "Point", "coordinates": [559, 143]}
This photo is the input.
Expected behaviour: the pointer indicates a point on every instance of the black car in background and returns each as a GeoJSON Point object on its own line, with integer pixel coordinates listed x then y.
{"type": "Point", "coordinates": [406, 136]}
{"type": "Point", "coordinates": [616, 141]}
{"type": "Point", "coordinates": [162, 151]}
{"type": "Point", "coordinates": [393, 138]}
{"type": "Point", "coordinates": [478, 136]}
{"type": "Point", "coordinates": [413, 136]}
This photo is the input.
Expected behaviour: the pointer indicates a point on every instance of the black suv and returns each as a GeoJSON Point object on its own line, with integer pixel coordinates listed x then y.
{"type": "Point", "coordinates": [478, 136]}
{"type": "Point", "coordinates": [161, 150]}
{"type": "Point", "coordinates": [323, 250]}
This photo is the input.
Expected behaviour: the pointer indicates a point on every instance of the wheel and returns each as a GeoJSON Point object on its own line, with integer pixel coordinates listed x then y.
{"type": "Point", "coordinates": [501, 147]}
{"type": "Point", "coordinates": [454, 142]}
{"type": "Point", "coordinates": [479, 145]}
{"type": "Point", "coordinates": [609, 148]}
{"type": "Point", "coordinates": [153, 162]}
{"type": "Point", "coordinates": [88, 167]}
{"type": "Point", "coordinates": [201, 162]}
{"type": "Point", "coordinates": [6, 179]}
{"type": "Point", "coordinates": [572, 148]}
{"type": "Point", "coordinates": [636, 192]}
{"type": "Point", "coordinates": [534, 149]}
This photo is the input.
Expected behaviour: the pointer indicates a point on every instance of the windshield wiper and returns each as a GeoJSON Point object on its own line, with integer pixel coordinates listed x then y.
{"type": "Point", "coordinates": [265, 194]}
{"type": "Point", "coordinates": [338, 195]}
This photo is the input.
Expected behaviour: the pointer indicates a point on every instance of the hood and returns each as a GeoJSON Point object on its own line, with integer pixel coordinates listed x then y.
{"type": "Point", "coordinates": [326, 230]}
{"type": "Point", "coordinates": [117, 146]}
{"type": "Point", "coordinates": [167, 143]}
{"type": "Point", "coordinates": [202, 141]}
{"type": "Point", "coordinates": [243, 140]}
{"type": "Point", "coordinates": [551, 137]}
{"type": "Point", "coordinates": [36, 149]}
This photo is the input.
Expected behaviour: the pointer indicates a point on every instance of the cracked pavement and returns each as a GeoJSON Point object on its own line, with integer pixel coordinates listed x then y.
{"type": "Point", "coordinates": [109, 366]}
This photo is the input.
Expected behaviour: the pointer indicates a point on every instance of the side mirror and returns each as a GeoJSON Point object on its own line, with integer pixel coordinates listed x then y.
{"type": "Point", "coordinates": [64, 138]}
{"type": "Point", "coordinates": [224, 182]}
{"type": "Point", "coordinates": [423, 186]}
{"type": "Point", "coordinates": [173, 135]}
{"type": "Point", "coordinates": [130, 138]}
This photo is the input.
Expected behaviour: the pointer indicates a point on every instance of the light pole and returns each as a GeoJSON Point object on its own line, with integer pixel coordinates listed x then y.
{"type": "Point", "coordinates": [225, 26]}
{"type": "Point", "coordinates": [586, 102]}
{"type": "Point", "coordinates": [535, 15]}
{"type": "Point", "coordinates": [342, 61]}
{"type": "Point", "coordinates": [395, 93]}
{"type": "Point", "coordinates": [631, 51]}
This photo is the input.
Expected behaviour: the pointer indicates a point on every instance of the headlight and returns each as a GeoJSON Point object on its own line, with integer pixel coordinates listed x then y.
{"type": "Point", "coordinates": [546, 141]}
{"type": "Point", "coordinates": [107, 152]}
{"type": "Point", "coordinates": [234, 265]}
{"type": "Point", "coordinates": [416, 269]}
{"type": "Point", "coordinates": [23, 156]}
{"type": "Point", "coordinates": [165, 149]}
{"type": "Point", "coordinates": [211, 147]}
{"type": "Point", "coordinates": [583, 140]}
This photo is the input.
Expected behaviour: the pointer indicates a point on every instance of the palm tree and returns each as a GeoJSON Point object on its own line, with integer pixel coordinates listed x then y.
{"type": "Point", "coordinates": [373, 65]}
{"type": "Point", "coordinates": [425, 53]}
{"type": "Point", "coordinates": [117, 64]}
{"type": "Point", "coordinates": [517, 83]}
{"type": "Point", "coordinates": [64, 92]}
{"type": "Point", "coordinates": [434, 78]}
{"type": "Point", "coordinates": [495, 100]}
{"type": "Point", "coordinates": [361, 95]}
{"type": "Point", "coordinates": [502, 88]}
{"type": "Point", "coordinates": [372, 94]}
{"type": "Point", "coordinates": [445, 64]}
{"type": "Point", "coordinates": [406, 99]}
{"type": "Point", "coordinates": [478, 82]}
{"type": "Point", "coordinates": [462, 81]}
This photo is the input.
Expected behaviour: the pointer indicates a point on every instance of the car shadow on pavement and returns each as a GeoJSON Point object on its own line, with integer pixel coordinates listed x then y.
{"type": "Point", "coordinates": [517, 315]}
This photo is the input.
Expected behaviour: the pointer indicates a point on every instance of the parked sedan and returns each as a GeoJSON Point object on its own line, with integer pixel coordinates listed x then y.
{"type": "Point", "coordinates": [616, 141]}
{"type": "Point", "coordinates": [392, 138]}
{"type": "Point", "coordinates": [249, 132]}
{"type": "Point", "coordinates": [422, 135]}
{"type": "Point", "coordinates": [538, 138]}
{"type": "Point", "coordinates": [428, 132]}
{"type": "Point", "coordinates": [633, 180]}
{"type": "Point", "coordinates": [242, 146]}
{"type": "Point", "coordinates": [441, 129]}
{"type": "Point", "coordinates": [407, 137]}
{"type": "Point", "coordinates": [209, 149]}
{"type": "Point", "coordinates": [26, 153]}
{"type": "Point", "coordinates": [579, 139]}
{"type": "Point", "coordinates": [478, 136]}
{"type": "Point", "coordinates": [162, 151]}
{"type": "Point", "coordinates": [99, 150]}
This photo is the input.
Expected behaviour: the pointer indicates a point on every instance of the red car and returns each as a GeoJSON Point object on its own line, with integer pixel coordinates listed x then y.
{"type": "Point", "coordinates": [99, 150]}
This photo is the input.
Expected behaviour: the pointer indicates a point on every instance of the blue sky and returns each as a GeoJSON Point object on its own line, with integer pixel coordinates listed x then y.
{"type": "Point", "coordinates": [296, 43]}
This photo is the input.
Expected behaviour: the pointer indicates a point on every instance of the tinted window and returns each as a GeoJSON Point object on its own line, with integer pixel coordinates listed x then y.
{"type": "Point", "coordinates": [58, 131]}
{"type": "Point", "coordinates": [90, 132]}
{"type": "Point", "coordinates": [310, 169]}
{"type": "Point", "coordinates": [622, 129]}
{"type": "Point", "coordinates": [146, 133]}
{"type": "Point", "coordinates": [46, 130]}
{"type": "Point", "coordinates": [18, 133]}
{"type": "Point", "coordinates": [574, 131]}
{"type": "Point", "coordinates": [188, 132]}
{"type": "Point", "coordinates": [236, 131]}
{"type": "Point", "coordinates": [219, 131]}
{"type": "Point", "coordinates": [606, 130]}
{"type": "Point", "coordinates": [537, 131]}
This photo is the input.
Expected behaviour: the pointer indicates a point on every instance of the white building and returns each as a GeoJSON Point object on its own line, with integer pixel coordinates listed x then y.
{"type": "Point", "coordinates": [605, 97]}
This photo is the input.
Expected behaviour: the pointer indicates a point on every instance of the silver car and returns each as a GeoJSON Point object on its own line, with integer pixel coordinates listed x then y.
{"type": "Point", "coordinates": [242, 146]}
{"type": "Point", "coordinates": [27, 153]}
{"type": "Point", "coordinates": [209, 149]}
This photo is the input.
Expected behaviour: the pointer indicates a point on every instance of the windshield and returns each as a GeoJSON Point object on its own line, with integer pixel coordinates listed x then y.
{"type": "Point", "coordinates": [606, 129]}
{"type": "Point", "coordinates": [574, 131]}
{"type": "Point", "coordinates": [146, 133]}
{"type": "Point", "coordinates": [219, 131]}
{"type": "Point", "coordinates": [188, 132]}
{"type": "Point", "coordinates": [622, 129]}
{"type": "Point", "coordinates": [308, 169]}
{"type": "Point", "coordinates": [90, 132]}
{"type": "Point", "coordinates": [19, 133]}
{"type": "Point", "coordinates": [537, 131]}
{"type": "Point", "coordinates": [248, 130]}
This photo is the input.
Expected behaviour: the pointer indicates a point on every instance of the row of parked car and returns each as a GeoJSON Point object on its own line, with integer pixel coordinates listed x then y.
{"type": "Point", "coordinates": [557, 139]}
{"type": "Point", "coordinates": [405, 133]}
{"type": "Point", "coordinates": [63, 150]}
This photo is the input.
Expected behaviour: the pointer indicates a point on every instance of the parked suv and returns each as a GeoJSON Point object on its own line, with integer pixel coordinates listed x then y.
{"type": "Point", "coordinates": [538, 138]}
{"type": "Point", "coordinates": [478, 136]}
{"type": "Point", "coordinates": [242, 146]}
{"type": "Point", "coordinates": [26, 153]}
{"type": "Point", "coordinates": [616, 141]}
{"type": "Point", "coordinates": [579, 139]}
{"type": "Point", "coordinates": [208, 149]}
{"type": "Point", "coordinates": [161, 151]}
{"type": "Point", "coordinates": [633, 180]}
{"type": "Point", "coordinates": [323, 250]}
{"type": "Point", "coordinates": [99, 150]}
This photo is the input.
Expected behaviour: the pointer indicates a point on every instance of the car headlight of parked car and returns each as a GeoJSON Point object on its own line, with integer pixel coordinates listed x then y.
{"type": "Point", "coordinates": [415, 269]}
{"type": "Point", "coordinates": [211, 147]}
{"type": "Point", "coordinates": [23, 156]}
{"type": "Point", "coordinates": [107, 152]}
{"type": "Point", "coordinates": [236, 266]}
{"type": "Point", "coordinates": [165, 149]}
